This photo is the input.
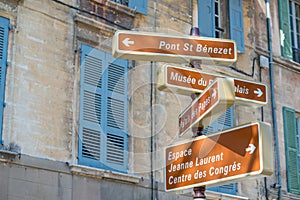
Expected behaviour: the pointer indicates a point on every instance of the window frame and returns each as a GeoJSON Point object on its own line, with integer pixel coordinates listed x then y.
{"type": "Point", "coordinates": [218, 22]}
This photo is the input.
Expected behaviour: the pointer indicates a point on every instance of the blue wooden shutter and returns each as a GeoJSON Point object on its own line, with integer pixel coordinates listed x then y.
{"type": "Point", "coordinates": [225, 121]}
{"type": "Point", "coordinates": [206, 18]}
{"type": "Point", "coordinates": [91, 135]}
{"type": "Point", "coordinates": [227, 189]}
{"type": "Point", "coordinates": [103, 111]}
{"type": "Point", "coordinates": [291, 150]}
{"type": "Point", "coordinates": [116, 118]}
{"type": "Point", "coordinates": [4, 27]}
{"type": "Point", "coordinates": [285, 31]}
{"type": "Point", "coordinates": [236, 23]}
{"type": "Point", "coordinates": [141, 6]}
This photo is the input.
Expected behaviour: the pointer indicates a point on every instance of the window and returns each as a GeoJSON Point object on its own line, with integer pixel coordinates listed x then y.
{"type": "Point", "coordinates": [295, 29]}
{"type": "Point", "coordinates": [289, 29]}
{"type": "Point", "coordinates": [223, 122]}
{"type": "Point", "coordinates": [218, 30]}
{"type": "Point", "coordinates": [139, 5]}
{"type": "Point", "coordinates": [103, 131]}
{"type": "Point", "coordinates": [291, 125]}
{"type": "Point", "coordinates": [212, 19]}
{"type": "Point", "coordinates": [4, 27]}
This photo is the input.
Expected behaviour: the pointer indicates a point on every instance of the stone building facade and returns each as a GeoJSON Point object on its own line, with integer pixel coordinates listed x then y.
{"type": "Point", "coordinates": [78, 123]}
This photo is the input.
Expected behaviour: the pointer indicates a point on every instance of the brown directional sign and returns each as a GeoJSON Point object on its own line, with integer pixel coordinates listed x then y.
{"type": "Point", "coordinates": [212, 103]}
{"type": "Point", "coordinates": [188, 80]}
{"type": "Point", "coordinates": [166, 48]}
{"type": "Point", "coordinates": [220, 158]}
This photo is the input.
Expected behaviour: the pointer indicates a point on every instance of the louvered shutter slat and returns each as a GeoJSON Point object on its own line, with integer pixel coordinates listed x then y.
{"type": "Point", "coordinates": [115, 148]}
{"type": "Point", "coordinates": [115, 114]}
{"type": "Point", "coordinates": [116, 77]}
{"type": "Point", "coordinates": [92, 107]}
{"type": "Point", "coordinates": [91, 144]}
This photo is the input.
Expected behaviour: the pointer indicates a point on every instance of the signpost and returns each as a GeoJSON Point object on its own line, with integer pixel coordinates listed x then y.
{"type": "Point", "coordinates": [211, 104]}
{"type": "Point", "coordinates": [220, 158]}
{"type": "Point", "coordinates": [166, 48]}
{"type": "Point", "coordinates": [206, 160]}
{"type": "Point", "coordinates": [188, 81]}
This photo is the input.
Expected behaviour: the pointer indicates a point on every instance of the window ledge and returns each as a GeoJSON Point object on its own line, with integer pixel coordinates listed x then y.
{"type": "Point", "coordinates": [8, 155]}
{"type": "Point", "coordinates": [103, 174]}
{"type": "Point", "coordinates": [94, 24]}
{"type": "Point", "coordinates": [293, 65]}
{"type": "Point", "coordinates": [290, 64]}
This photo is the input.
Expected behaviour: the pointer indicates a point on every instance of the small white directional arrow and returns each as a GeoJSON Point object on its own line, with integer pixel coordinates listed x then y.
{"type": "Point", "coordinates": [127, 42]}
{"type": "Point", "coordinates": [251, 148]}
{"type": "Point", "coordinates": [214, 94]}
{"type": "Point", "coordinates": [258, 92]}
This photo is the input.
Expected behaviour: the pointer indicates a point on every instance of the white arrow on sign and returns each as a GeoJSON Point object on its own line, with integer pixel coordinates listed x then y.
{"type": "Point", "coordinates": [127, 42]}
{"type": "Point", "coordinates": [258, 92]}
{"type": "Point", "coordinates": [251, 148]}
{"type": "Point", "coordinates": [214, 94]}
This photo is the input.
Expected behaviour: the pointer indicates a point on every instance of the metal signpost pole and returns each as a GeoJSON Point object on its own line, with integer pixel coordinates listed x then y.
{"type": "Point", "coordinates": [199, 192]}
